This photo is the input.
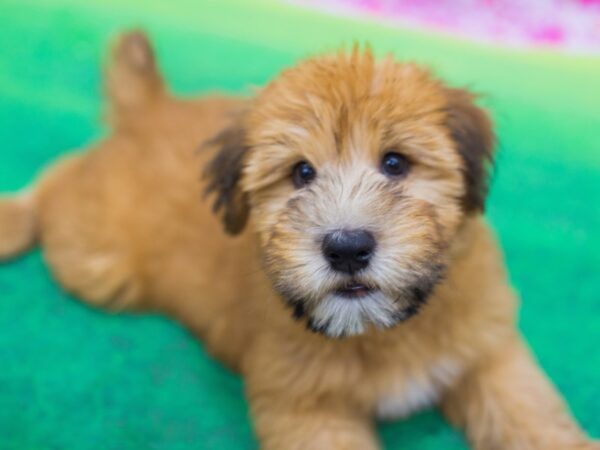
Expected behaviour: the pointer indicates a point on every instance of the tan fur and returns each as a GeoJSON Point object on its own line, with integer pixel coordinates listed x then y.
{"type": "Point", "coordinates": [123, 226]}
{"type": "Point", "coordinates": [17, 225]}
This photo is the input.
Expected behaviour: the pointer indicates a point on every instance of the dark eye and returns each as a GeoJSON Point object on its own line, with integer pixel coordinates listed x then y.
{"type": "Point", "coordinates": [395, 164]}
{"type": "Point", "coordinates": [303, 174]}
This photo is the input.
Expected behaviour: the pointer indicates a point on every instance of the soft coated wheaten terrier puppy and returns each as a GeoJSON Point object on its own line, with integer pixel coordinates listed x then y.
{"type": "Point", "coordinates": [356, 277]}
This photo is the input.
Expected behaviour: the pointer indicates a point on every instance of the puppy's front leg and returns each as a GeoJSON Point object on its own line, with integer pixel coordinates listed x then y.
{"type": "Point", "coordinates": [506, 403]}
{"type": "Point", "coordinates": [283, 425]}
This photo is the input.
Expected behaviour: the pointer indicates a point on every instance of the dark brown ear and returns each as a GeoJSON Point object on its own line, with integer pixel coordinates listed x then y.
{"type": "Point", "coordinates": [471, 128]}
{"type": "Point", "coordinates": [223, 174]}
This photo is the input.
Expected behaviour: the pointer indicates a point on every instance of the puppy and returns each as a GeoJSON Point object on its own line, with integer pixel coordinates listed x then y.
{"type": "Point", "coordinates": [355, 277]}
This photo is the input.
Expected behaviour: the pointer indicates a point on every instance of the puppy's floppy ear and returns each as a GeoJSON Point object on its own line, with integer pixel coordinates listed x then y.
{"type": "Point", "coordinates": [223, 174]}
{"type": "Point", "coordinates": [471, 129]}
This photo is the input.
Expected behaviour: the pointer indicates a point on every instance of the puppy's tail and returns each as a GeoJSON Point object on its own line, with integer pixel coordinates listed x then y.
{"type": "Point", "coordinates": [132, 78]}
{"type": "Point", "coordinates": [18, 228]}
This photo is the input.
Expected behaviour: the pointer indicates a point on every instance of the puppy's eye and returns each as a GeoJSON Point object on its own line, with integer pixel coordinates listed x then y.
{"type": "Point", "coordinates": [395, 164]}
{"type": "Point", "coordinates": [303, 174]}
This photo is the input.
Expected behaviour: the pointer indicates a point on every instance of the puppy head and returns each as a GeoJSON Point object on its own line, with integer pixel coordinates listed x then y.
{"type": "Point", "coordinates": [356, 175]}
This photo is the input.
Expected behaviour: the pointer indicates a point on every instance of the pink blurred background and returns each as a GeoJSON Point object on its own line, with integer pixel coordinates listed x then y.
{"type": "Point", "coordinates": [565, 25]}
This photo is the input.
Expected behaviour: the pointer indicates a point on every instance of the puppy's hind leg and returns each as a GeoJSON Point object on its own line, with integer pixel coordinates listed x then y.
{"type": "Point", "coordinates": [92, 260]}
{"type": "Point", "coordinates": [72, 218]}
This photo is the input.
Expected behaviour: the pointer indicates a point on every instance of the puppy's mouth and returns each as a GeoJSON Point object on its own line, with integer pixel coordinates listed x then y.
{"type": "Point", "coordinates": [354, 290]}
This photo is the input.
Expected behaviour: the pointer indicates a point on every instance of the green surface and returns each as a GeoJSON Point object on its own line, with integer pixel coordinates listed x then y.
{"type": "Point", "coordinates": [75, 378]}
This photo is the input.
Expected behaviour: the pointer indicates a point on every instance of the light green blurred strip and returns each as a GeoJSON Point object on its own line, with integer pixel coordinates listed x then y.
{"type": "Point", "coordinates": [46, 98]}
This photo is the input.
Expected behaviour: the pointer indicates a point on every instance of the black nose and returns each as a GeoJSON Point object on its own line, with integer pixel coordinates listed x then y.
{"type": "Point", "coordinates": [348, 250]}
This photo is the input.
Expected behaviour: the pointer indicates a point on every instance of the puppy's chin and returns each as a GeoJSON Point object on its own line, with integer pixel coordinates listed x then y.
{"type": "Point", "coordinates": [338, 315]}
{"type": "Point", "coordinates": [352, 309]}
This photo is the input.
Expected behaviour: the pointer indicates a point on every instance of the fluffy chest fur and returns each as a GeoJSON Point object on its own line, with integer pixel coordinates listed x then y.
{"type": "Point", "coordinates": [404, 393]}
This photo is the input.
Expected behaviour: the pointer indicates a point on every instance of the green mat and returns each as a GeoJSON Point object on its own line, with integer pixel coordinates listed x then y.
{"type": "Point", "coordinates": [75, 378]}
